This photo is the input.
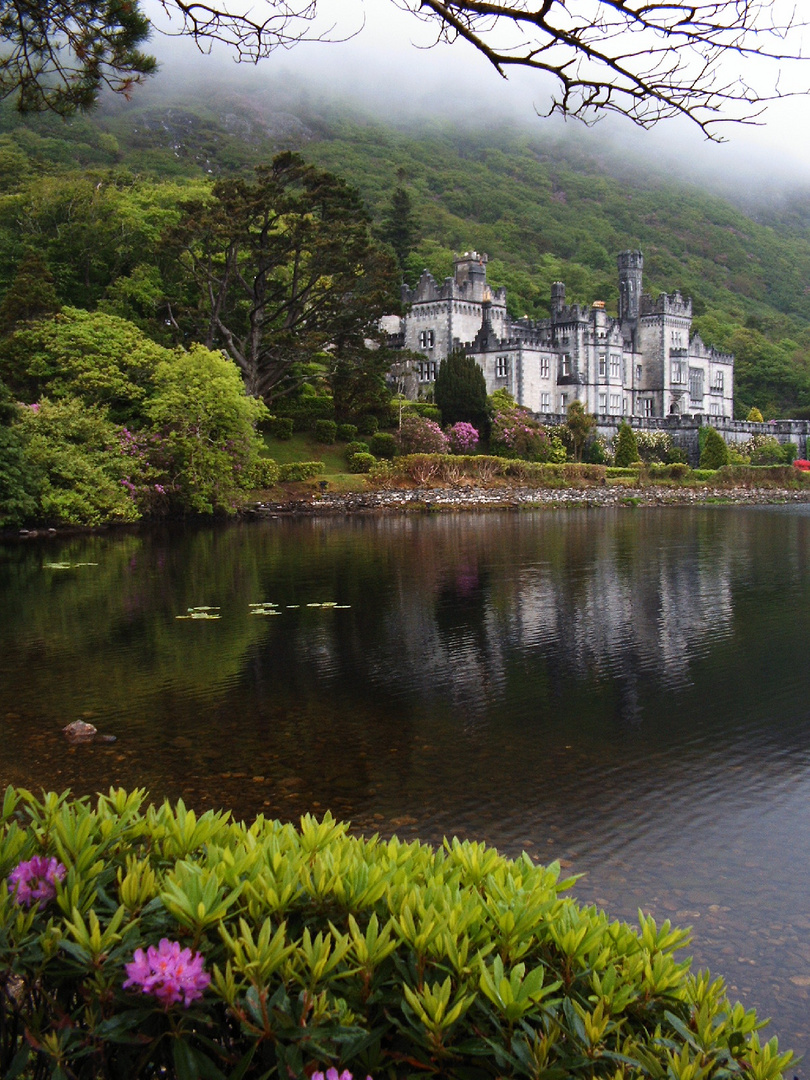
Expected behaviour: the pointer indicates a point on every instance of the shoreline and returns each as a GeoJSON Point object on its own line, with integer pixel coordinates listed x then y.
{"type": "Point", "coordinates": [471, 498]}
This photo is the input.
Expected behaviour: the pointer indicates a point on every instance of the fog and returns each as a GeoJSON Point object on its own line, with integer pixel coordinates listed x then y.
{"type": "Point", "coordinates": [383, 60]}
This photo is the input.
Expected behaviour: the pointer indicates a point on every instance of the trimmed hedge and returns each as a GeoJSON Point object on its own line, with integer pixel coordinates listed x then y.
{"type": "Point", "coordinates": [346, 432]}
{"type": "Point", "coordinates": [300, 470]}
{"type": "Point", "coordinates": [171, 945]}
{"type": "Point", "coordinates": [325, 431]}
{"type": "Point", "coordinates": [304, 411]}
{"type": "Point", "coordinates": [280, 427]}
{"type": "Point", "coordinates": [383, 445]}
{"type": "Point", "coordinates": [264, 473]}
{"type": "Point", "coordinates": [361, 463]}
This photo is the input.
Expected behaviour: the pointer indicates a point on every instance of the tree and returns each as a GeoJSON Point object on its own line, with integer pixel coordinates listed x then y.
{"type": "Point", "coordinates": [461, 391]}
{"type": "Point", "coordinates": [714, 454]}
{"type": "Point", "coordinates": [399, 226]}
{"type": "Point", "coordinates": [645, 59]}
{"type": "Point", "coordinates": [286, 269]}
{"type": "Point", "coordinates": [580, 424]}
{"type": "Point", "coordinates": [32, 294]}
{"type": "Point", "coordinates": [626, 447]}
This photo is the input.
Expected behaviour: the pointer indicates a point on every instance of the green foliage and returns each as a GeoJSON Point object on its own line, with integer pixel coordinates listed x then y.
{"type": "Point", "coordinates": [74, 449]}
{"type": "Point", "coordinates": [398, 227]}
{"type": "Point", "coordinates": [264, 473]}
{"type": "Point", "coordinates": [580, 424]}
{"type": "Point", "coordinates": [299, 470]}
{"type": "Point", "coordinates": [423, 409]}
{"type": "Point", "coordinates": [515, 433]}
{"type": "Point", "coordinates": [31, 296]}
{"type": "Point", "coordinates": [626, 447]}
{"type": "Point", "coordinates": [280, 427]}
{"type": "Point", "coordinates": [305, 410]}
{"type": "Point", "coordinates": [460, 392]}
{"type": "Point", "coordinates": [325, 431]}
{"type": "Point", "coordinates": [368, 424]}
{"type": "Point", "coordinates": [19, 479]}
{"type": "Point", "coordinates": [207, 426]}
{"type": "Point", "coordinates": [714, 454]}
{"type": "Point", "coordinates": [326, 949]}
{"type": "Point", "coordinates": [346, 432]}
{"type": "Point", "coordinates": [754, 415]}
{"type": "Point", "coordinates": [361, 463]}
{"type": "Point", "coordinates": [383, 445]}
{"type": "Point", "coordinates": [357, 447]}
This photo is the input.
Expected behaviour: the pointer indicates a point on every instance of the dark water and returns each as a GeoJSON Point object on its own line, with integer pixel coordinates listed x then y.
{"type": "Point", "coordinates": [627, 691]}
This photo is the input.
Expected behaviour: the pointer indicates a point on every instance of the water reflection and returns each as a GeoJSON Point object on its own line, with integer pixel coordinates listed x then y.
{"type": "Point", "coordinates": [620, 689]}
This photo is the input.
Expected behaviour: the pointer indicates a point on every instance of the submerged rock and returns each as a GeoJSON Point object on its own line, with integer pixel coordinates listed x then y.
{"type": "Point", "coordinates": [82, 732]}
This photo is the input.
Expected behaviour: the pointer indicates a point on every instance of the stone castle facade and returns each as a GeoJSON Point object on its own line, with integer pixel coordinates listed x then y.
{"type": "Point", "coordinates": [644, 363]}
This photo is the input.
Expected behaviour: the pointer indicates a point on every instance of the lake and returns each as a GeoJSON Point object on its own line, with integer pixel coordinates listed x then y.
{"type": "Point", "coordinates": [623, 690]}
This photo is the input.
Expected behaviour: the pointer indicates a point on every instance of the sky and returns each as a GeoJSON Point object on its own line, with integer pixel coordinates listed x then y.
{"type": "Point", "coordinates": [387, 64]}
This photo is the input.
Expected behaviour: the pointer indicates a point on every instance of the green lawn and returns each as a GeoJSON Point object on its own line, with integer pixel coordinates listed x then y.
{"type": "Point", "coordinates": [304, 447]}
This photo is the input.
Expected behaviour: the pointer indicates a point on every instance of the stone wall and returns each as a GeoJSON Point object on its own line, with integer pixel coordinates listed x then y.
{"type": "Point", "coordinates": [684, 429]}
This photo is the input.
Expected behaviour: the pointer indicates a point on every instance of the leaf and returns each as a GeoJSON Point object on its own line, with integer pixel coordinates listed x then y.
{"type": "Point", "coordinates": [185, 1061]}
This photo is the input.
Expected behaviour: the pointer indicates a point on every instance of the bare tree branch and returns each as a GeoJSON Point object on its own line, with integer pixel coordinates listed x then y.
{"type": "Point", "coordinates": [645, 59]}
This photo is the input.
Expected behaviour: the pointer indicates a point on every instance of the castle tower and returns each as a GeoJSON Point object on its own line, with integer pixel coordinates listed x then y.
{"type": "Point", "coordinates": [631, 265]}
{"type": "Point", "coordinates": [557, 298]}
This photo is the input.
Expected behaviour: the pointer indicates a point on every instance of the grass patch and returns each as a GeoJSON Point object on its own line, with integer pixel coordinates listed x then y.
{"type": "Point", "coordinates": [303, 446]}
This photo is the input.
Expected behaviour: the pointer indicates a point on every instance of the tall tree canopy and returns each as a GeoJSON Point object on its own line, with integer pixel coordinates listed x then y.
{"type": "Point", "coordinates": [285, 268]}
{"type": "Point", "coordinates": [646, 59]}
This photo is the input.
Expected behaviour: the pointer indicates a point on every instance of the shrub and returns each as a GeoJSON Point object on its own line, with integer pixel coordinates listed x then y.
{"type": "Point", "coordinates": [516, 434]}
{"type": "Point", "coordinates": [423, 409]}
{"type": "Point", "coordinates": [361, 463]}
{"type": "Point", "coordinates": [280, 427]}
{"type": "Point", "coordinates": [714, 454]}
{"type": "Point", "coordinates": [264, 473]}
{"type": "Point", "coordinates": [299, 470]}
{"type": "Point", "coordinates": [368, 424]}
{"type": "Point", "coordinates": [325, 431]}
{"type": "Point", "coordinates": [802, 464]}
{"type": "Point", "coordinates": [356, 447]}
{"type": "Point", "coordinates": [754, 416]}
{"type": "Point", "coordinates": [346, 432]}
{"type": "Point", "coordinates": [420, 436]}
{"type": "Point", "coordinates": [676, 471]}
{"type": "Point", "coordinates": [626, 447]}
{"type": "Point", "coordinates": [654, 446]}
{"type": "Point", "coordinates": [305, 410]}
{"type": "Point", "coordinates": [463, 438]}
{"type": "Point", "coordinates": [147, 941]}
{"type": "Point", "coordinates": [383, 445]}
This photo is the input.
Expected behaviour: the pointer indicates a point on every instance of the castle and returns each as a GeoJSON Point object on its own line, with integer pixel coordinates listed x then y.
{"type": "Point", "coordinates": [644, 363]}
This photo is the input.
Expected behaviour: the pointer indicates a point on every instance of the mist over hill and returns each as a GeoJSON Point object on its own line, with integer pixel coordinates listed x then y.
{"type": "Point", "coordinates": [546, 201]}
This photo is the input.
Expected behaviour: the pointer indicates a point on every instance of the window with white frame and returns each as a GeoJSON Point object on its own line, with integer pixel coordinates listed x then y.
{"type": "Point", "coordinates": [603, 403]}
{"type": "Point", "coordinates": [427, 339]}
{"type": "Point", "coordinates": [678, 372]}
{"type": "Point", "coordinates": [615, 403]}
{"type": "Point", "coordinates": [426, 371]}
{"type": "Point", "coordinates": [717, 382]}
{"type": "Point", "coordinates": [563, 402]}
{"type": "Point", "coordinates": [566, 364]}
{"type": "Point", "coordinates": [647, 406]}
{"type": "Point", "coordinates": [501, 367]}
{"type": "Point", "coordinates": [615, 366]}
{"type": "Point", "coordinates": [545, 402]}
{"type": "Point", "coordinates": [639, 374]}
{"type": "Point", "coordinates": [602, 364]}
{"type": "Point", "coordinates": [545, 367]}
{"type": "Point", "coordinates": [714, 408]}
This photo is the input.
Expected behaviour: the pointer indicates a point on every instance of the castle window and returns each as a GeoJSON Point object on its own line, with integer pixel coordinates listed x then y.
{"type": "Point", "coordinates": [501, 367]}
{"type": "Point", "coordinates": [714, 409]}
{"type": "Point", "coordinates": [647, 406]}
{"type": "Point", "coordinates": [544, 367]}
{"type": "Point", "coordinates": [678, 371]}
{"type": "Point", "coordinates": [545, 402]}
{"type": "Point", "coordinates": [696, 384]}
{"type": "Point", "coordinates": [426, 371]}
{"type": "Point", "coordinates": [639, 374]}
{"type": "Point", "coordinates": [566, 364]}
{"type": "Point", "coordinates": [615, 366]}
{"type": "Point", "coordinates": [603, 403]}
{"type": "Point", "coordinates": [602, 364]}
{"type": "Point", "coordinates": [563, 402]}
{"type": "Point", "coordinates": [427, 339]}
{"type": "Point", "coordinates": [615, 403]}
{"type": "Point", "coordinates": [718, 382]}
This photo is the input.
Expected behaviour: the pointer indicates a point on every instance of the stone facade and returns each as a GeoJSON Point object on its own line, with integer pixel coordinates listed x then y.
{"type": "Point", "coordinates": [644, 363]}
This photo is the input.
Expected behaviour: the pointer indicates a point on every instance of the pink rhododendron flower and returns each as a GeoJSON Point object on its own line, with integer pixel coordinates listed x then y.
{"type": "Point", "coordinates": [34, 881]}
{"type": "Point", "coordinates": [169, 973]}
{"type": "Point", "coordinates": [333, 1074]}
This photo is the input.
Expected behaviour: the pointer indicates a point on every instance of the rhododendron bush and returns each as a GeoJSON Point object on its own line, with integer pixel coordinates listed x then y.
{"type": "Point", "coordinates": [148, 942]}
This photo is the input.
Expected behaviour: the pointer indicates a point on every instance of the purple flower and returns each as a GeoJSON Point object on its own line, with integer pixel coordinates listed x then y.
{"type": "Point", "coordinates": [35, 407]}
{"type": "Point", "coordinates": [34, 881]}
{"type": "Point", "coordinates": [168, 972]}
{"type": "Point", "coordinates": [160, 489]}
{"type": "Point", "coordinates": [333, 1074]}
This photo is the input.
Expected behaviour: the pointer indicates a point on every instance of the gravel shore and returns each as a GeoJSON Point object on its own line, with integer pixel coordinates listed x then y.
{"type": "Point", "coordinates": [517, 498]}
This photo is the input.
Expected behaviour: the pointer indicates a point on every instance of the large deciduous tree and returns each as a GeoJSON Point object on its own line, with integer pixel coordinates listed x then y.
{"type": "Point", "coordinates": [286, 271]}
{"type": "Point", "coordinates": [646, 59]}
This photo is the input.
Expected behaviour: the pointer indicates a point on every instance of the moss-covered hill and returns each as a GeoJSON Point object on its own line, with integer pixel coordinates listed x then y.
{"type": "Point", "coordinates": [542, 208]}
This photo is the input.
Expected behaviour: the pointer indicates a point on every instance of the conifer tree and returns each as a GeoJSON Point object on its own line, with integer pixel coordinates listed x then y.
{"type": "Point", "coordinates": [460, 391]}
{"type": "Point", "coordinates": [715, 452]}
{"type": "Point", "coordinates": [399, 226]}
{"type": "Point", "coordinates": [626, 446]}
{"type": "Point", "coordinates": [31, 295]}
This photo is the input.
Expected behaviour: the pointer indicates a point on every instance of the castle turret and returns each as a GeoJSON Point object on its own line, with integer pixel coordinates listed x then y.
{"type": "Point", "coordinates": [557, 298]}
{"type": "Point", "coordinates": [631, 266]}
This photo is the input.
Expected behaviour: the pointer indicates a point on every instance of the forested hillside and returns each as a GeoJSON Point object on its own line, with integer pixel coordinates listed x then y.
{"type": "Point", "coordinates": [95, 196]}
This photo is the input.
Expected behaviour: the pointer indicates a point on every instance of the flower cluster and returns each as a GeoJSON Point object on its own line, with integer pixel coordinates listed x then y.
{"type": "Point", "coordinates": [333, 1074]}
{"type": "Point", "coordinates": [420, 436]}
{"type": "Point", "coordinates": [515, 433]}
{"type": "Point", "coordinates": [463, 437]}
{"type": "Point", "coordinates": [169, 973]}
{"type": "Point", "coordinates": [34, 881]}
